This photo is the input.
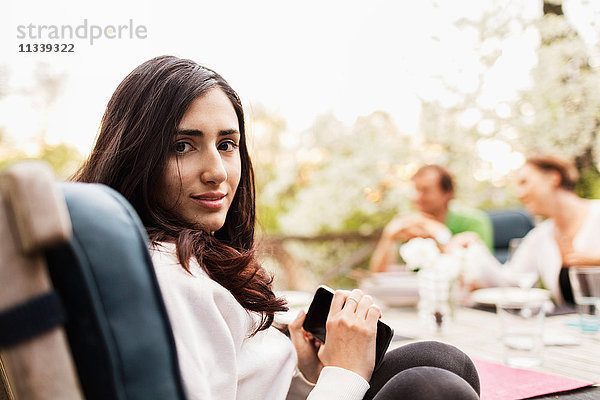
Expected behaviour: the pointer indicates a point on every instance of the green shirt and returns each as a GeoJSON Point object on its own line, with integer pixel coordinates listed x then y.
{"type": "Point", "coordinates": [463, 219]}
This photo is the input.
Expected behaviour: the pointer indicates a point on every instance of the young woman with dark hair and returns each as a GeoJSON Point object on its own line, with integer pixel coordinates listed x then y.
{"type": "Point", "coordinates": [173, 142]}
{"type": "Point", "coordinates": [135, 144]}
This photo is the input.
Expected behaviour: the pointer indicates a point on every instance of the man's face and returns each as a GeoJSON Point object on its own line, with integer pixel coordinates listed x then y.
{"type": "Point", "coordinates": [429, 198]}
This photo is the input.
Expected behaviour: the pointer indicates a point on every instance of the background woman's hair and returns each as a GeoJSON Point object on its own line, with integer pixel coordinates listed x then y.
{"type": "Point", "coordinates": [566, 169]}
{"type": "Point", "coordinates": [131, 152]}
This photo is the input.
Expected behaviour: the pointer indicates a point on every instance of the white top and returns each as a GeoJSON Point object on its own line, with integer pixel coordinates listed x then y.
{"type": "Point", "coordinates": [217, 356]}
{"type": "Point", "coordinates": [539, 253]}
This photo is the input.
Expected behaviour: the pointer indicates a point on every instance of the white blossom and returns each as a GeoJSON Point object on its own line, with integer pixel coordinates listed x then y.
{"type": "Point", "coordinates": [420, 253]}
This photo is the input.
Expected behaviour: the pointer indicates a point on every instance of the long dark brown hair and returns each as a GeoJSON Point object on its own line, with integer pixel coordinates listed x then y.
{"type": "Point", "coordinates": [131, 153]}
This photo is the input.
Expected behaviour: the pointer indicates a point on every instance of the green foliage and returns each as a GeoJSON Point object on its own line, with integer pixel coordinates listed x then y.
{"type": "Point", "coordinates": [267, 216]}
{"type": "Point", "coordinates": [588, 185]}
{"type": "Point", "coordinates": [558, 114]}
{"type": "Point", "coordinates": [321, 258]}
{"type": "Point", "coordinates": [63, 158]}
{"type": "Point", "coordinates": [359, 220]}
{"type": "Point", "coordinates": [561, 113]}
{"type": "Point", "coordinates": [339, 178]}
{"type": "Point", "coordinates": [42, 92]}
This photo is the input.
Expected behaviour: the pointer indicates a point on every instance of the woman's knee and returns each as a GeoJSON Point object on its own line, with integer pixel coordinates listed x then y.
{"type": "Point", "coordinates": [431, 383]}
{"type": "Point", "coordinates": [427, 354]}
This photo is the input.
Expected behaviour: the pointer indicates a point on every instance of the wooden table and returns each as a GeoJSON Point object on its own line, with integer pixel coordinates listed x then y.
{"type": "Point", "coordinates": [477, 333]}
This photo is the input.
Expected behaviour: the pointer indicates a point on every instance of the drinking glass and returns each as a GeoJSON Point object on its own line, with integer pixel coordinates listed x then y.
{"type": "Point", "coordinates": [522, 316]}
{"type": "Point", "coordinates": [585, 282]}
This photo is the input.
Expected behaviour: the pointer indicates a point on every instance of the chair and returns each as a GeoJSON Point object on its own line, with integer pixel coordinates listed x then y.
{"type": "Point", "coordinates": [81, 314]}
{"type": "Point", "coordinates": [507, 225]}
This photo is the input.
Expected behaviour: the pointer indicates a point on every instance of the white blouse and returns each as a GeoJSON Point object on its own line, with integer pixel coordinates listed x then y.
{"type": "Point", "coordinates": [539, 253]}
{"type": "Point", "coordinates": [218, 357]}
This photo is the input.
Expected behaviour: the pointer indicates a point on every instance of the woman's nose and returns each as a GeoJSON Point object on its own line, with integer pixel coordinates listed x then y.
{"type": "Point", "coordinates": [213, 169]}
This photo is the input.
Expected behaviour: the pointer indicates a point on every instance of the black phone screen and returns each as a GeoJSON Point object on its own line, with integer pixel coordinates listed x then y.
{"type": "Point", "coordinates": [316, 317]}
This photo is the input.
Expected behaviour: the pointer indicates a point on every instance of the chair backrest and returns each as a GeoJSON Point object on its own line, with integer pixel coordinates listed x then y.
{"type": "Point", "coordinates": [508, 224]}
{"type": "Point", "coordinates": [34, 357]}
{"type": "Point", "coordinates": [117, 327]}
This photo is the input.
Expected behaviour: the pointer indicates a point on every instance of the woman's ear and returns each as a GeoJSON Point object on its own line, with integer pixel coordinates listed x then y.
{"type": "Point", "coordinates": [555, 178]}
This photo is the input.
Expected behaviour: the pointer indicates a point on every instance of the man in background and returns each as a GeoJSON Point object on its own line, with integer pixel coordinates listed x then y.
{"type": "Point", "coordinates": [434, 189]}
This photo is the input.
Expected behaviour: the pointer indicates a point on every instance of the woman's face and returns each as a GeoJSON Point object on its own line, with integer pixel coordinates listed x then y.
{"type": "Point", "coordinates": [534, 188]}
{"type": "Point", "coordinates": [204, 166]}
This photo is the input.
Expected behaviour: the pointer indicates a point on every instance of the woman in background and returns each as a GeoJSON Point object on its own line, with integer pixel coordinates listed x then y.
{"type": "Point", "coordinates": [568, 237]}
{"type": "Point", "coordinates": [173, 142]}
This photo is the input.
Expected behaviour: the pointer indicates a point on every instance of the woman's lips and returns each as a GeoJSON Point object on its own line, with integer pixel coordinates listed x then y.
{"type": "Point", "coordinates": [210, 201]}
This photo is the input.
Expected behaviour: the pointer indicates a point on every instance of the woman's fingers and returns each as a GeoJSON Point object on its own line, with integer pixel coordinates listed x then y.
{"type": "Point", "coordinates": [306, 350]}
{"type": "Point", "coordinates": [351, 304]}
{"type": "Point", "coordinates": [365, 302]}
{"type": "Point", "coordinates": [352, 300]}
{"type": "Point", "coordinates": [339, 298]}
{"type": "Point", "coordinates": [373, 314]}
{"type": "Point", "coordinates": [298, 321]}
{"type": "Point", "coordinates": [295, 327]}
{"type": "Point", "coordinates": [351, 333]}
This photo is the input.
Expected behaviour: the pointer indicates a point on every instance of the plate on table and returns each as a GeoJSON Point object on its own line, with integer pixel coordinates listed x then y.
{"type": "Point", "coordinates": [493, 296]}
{"type": "Point", "coordinates": [395, 289]}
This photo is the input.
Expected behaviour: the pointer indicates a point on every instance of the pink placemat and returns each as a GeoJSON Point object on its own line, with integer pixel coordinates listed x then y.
{"type": "Point", "coordinates": [501, 382]}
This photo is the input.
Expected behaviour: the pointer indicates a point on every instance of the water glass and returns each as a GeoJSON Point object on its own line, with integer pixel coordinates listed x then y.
{"type": "Point", "coordinates": [435, 300]}
{"type": "Point", "coordinates": [522, 322]}
{"type": "Point", "coordinates": [585, 282]}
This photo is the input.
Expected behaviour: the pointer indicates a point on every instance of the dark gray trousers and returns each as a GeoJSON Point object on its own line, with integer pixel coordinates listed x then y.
{"type": "Point", "coordinates": [425, 371]}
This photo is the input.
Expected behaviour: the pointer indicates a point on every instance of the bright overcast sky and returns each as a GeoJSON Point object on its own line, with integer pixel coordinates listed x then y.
{"type": "Point", "coordinates": [300, 59]}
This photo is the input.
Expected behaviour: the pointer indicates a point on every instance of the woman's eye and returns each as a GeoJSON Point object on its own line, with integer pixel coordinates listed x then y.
{"type": "Point", "coordinates": [182, 147]}
{"type": "Point", "coordinates": [228, 145]}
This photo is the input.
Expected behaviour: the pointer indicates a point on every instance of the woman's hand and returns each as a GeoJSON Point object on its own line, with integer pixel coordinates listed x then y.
{"type": "Point", "coordinates": [306, 348]}
{"type": "Point", "coordinates": [351, 333]}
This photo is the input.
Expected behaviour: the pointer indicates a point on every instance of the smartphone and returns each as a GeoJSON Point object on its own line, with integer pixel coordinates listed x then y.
{"type": "Point", "coordinates": [314, 323]}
